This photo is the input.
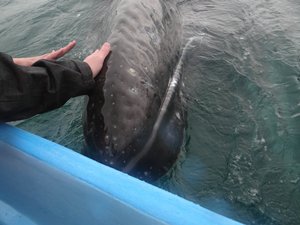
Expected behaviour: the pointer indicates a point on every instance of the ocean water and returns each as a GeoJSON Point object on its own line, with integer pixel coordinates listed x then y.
{"type": "Point", "coordinates": [242, 84]}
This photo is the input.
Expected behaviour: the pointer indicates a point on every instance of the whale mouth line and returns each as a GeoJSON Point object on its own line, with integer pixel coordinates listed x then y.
{"type": "Point", "coordinates": [171, 90]}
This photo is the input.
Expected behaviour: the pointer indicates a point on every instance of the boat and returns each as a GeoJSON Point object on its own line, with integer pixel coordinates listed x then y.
{"type": "Point", "coordinates": [42, 182]}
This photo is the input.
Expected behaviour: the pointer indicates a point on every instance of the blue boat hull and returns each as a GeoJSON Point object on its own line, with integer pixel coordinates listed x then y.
{"type": "Point", "coordinates": [42, 182]}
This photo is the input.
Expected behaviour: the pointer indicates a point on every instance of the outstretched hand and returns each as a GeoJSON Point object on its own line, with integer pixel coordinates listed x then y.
{"type": "Point", "coordinates": [96, 59]}
{"type": "Point", "coordinates": [29, 61]}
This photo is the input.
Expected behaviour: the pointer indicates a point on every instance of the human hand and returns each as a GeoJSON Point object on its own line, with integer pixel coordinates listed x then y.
{"type": "Point", "coordinates": [96, 59]}
{"type": "Point", "coordinates": [29, 61]}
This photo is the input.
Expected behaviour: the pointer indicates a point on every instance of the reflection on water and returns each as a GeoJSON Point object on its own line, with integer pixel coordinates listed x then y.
{"type": "Point", "coordinates": [242, 84]}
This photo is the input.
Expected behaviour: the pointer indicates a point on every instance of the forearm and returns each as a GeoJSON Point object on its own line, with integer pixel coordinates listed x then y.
{"type": "Point", "coordinates": [26, 91]}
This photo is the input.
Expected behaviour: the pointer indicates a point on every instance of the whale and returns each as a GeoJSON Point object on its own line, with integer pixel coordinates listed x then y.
{"type": "Point", "coordinates": [134, 119]}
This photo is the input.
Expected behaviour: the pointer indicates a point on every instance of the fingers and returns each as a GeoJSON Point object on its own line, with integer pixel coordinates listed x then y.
{"type": "Point", "coordinates": [51, 56]}
{"type": "Point", "coordinates": [96, 59]}
{"type": "Point", "coordinates": [29, 61]}
{"type": "Point", "coordinates": [104, 50]}
{"type": "Point", "coordinates": [60, 52]}
{"type": "Point", "coordinates": [67, 48]}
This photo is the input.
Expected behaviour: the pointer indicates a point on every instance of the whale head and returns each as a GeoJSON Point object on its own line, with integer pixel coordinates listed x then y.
{"type": "Point", "coordinates": [125, 103]}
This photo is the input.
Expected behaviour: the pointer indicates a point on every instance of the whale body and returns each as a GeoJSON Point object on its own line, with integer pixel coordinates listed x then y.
{"type": "Point", "coordinates": [121, 125]}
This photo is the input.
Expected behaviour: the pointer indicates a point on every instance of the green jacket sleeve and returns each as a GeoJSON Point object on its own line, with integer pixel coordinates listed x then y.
{"type": "Point", "coordinates": [27, 91]}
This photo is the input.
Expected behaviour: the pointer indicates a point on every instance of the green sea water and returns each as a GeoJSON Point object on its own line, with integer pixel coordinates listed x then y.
{"type": "Point", "coordinates": [242, 86]}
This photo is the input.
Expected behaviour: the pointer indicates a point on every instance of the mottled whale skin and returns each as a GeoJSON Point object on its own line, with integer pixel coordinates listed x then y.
{"type": "Point", "coordinates": [145, 37]}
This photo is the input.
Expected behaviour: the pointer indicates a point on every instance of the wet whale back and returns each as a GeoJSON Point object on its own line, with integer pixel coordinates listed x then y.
{"type": "Point", "coordinates": [145, 39]}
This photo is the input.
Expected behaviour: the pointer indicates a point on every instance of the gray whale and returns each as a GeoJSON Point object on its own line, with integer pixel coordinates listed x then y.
{"type": "Point", "coordinates": [130, 122]}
